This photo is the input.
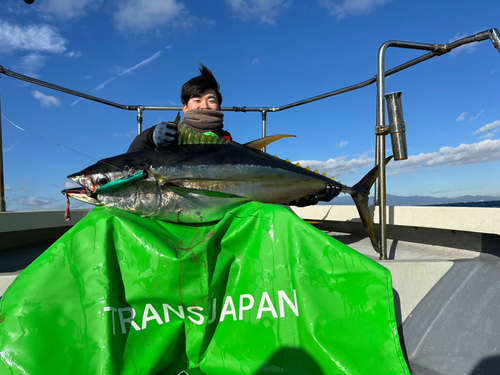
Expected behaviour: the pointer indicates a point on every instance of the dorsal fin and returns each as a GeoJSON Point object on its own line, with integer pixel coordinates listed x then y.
{"type": "Point", "coordinates": [263, 142]}
{"type": "Point", "coordinates": [178, 118]}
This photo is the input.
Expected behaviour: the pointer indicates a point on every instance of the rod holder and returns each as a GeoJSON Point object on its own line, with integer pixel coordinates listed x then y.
{"type": "Point", "coordinates": [397, 127]}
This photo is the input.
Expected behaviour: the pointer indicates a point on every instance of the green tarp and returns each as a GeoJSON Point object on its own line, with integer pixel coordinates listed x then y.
{"type": "Point", "coordinates": [261, 291]}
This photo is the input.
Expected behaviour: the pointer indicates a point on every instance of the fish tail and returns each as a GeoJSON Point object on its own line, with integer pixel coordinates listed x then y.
{"type": "Point", "coordinates": [360, 194]}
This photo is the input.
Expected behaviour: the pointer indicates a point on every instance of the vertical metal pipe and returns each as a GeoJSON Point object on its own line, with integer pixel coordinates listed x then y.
{"type": "Point", "coordinates": [2, 184]}
{"type": "Point", "coordinates": [264, 116]}
{"type": "Point", "coordinates": [381, 151]}
{"type": "Point", "coordinates": [139, 120]}
{"type": "Point", "coordinates": [376, 201]}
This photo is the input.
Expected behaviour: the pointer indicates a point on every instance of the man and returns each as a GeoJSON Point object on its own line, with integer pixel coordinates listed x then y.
{"type": "Point", "coordinates": [201, 102]}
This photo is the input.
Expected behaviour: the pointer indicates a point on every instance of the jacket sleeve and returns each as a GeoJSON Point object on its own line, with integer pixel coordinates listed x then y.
{"type": "Point", "coordinates": [143, 141]}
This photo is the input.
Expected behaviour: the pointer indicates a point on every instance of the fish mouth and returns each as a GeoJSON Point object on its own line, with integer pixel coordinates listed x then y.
{"type": "Point", "coordinates": [81, 194]}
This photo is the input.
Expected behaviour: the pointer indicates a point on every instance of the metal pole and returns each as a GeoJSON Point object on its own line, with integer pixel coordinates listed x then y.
{"type": "Point", "coordinates": [381, 130]}
{"type": "Point", "coordinates": [139, 120]}
{"type": "Point", "coordinates": [380, 152]}
{"type": "Point", "coordinates": [2, 184]}
{"type": "Point", "coordinates": [264, 116]}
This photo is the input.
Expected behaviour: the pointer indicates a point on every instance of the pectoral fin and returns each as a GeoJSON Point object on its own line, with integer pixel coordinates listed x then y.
{"type": "Point", "coordinates": [207, 193]}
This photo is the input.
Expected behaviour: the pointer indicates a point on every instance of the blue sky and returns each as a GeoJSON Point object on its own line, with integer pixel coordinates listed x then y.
{"type": "Point", "coordinates": [264, 54]}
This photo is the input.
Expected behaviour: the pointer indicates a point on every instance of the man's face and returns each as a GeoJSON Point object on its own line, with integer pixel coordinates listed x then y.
{"type": "Point", "coordinates": [207, 100]}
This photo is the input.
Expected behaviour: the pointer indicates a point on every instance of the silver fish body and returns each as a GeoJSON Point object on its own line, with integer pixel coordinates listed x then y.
{"type": "Point", "coordinates": [182, 177]}
{"type": "Point", "coordinates": [202, 183]}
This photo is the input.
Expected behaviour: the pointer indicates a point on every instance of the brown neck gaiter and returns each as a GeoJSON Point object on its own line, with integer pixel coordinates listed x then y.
{"type": "Point", "coordinates": [204, 120]}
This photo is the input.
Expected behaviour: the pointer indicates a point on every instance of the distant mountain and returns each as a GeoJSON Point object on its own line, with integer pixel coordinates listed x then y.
{"type": "Point", "coordinates": [416, 200]}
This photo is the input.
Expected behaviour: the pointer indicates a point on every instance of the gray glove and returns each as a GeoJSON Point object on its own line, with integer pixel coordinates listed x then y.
{"type": "Point", "coordinates": [165, 134]}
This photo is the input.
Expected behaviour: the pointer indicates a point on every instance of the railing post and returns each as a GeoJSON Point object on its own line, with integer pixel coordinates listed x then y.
{"type": "Point", "coordinates": [264, 116]}
{"type": "Point", "coordinates": [380, 132]}
{"type": "Point", "coordinates": [2, 183]}
{"type": "Point", "coordinates": [139, 120]}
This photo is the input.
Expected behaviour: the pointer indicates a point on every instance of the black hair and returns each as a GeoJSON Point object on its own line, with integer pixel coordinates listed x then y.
{"type": "Point", "coordinates": [196, 86]}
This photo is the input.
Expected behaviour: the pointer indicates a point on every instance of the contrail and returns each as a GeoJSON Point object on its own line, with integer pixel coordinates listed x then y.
{"type": "Point", "coordinates": [142, 63]}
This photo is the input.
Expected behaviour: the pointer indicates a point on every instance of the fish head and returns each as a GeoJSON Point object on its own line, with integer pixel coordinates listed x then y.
{"type": "Point", "coordinates": [95, 176]}
{"type": "Point", "coordinates": [141, 197]}
{"type": "Point", "coordinates": [108, 170]}
{"type": "Point", "coordinates": [121, 181]}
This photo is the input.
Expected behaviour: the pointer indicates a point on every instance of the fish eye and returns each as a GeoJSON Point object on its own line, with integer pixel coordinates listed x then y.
{"type": "Point", "coordinates": [102, 180]}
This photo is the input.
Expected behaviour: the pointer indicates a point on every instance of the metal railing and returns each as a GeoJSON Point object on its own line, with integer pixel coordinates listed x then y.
{"type": "Point", "coordinates": [380, 130]}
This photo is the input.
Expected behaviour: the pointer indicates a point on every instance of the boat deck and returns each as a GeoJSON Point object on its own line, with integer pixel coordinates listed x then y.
{"type": "Point", "coordinates": [446, 297]}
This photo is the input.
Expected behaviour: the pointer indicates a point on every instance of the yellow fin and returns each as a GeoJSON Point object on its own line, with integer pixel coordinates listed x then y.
{"type": "Point", "coordinates": [177, 118]}
{"type": "Point", "coordinates": [263, 142]}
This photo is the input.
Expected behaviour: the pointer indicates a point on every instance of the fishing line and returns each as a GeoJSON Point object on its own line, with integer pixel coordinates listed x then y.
{"type": "Point", "coordinates": [61, 145]}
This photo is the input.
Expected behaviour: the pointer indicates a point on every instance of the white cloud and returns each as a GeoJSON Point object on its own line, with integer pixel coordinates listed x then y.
{"type": "Point", "coordinates": [265, 11]}
{"type": "Point", "coordinates": [461, 117]}
{"type": "Point", "coordinates": [6, 149]}
{"type": "Point", "coordinates": [17, 7]}
{"type": "Point", "coordinates": [487, 127]}
{"type": "Point", "coordinates": [342, 144]}
{"type": "Point", "coordinates": [8, 188]}
{"type": "Point", "coordinates": [70, 185]}
{"type": "Point", "coordinates": [469, 47]}
{"type": "Point", "coordinates": [475, 117]}
{"type": "Point", "coordinates": [142, 63]}
{"type": "Point", "coordinates": [344, 8]}
{"type": "Point", "coordinates": [45, 100]}
{"type": "Point", "coordinates": [74, 54]}
{"type": "Point", "coordinates": [143, 15]}
{"type": "Point", "coordinates": [482, 152]}
{"type": "Point", "coordinates": [64, 9]}
{"type": "Point", "coordinates": [255, 61]}
{"type": "Point", "coordinates": [339, 166]}
{"type": "Point", "coordinates": [33, 202]}
{"type": "Point", "coordinates": [131, 134]}
{"type": "Point", "coordinates": [40, 38]}
{"type": "Point", "coordinates": [489, 135]}
{"type": "Point", "coordinates": [31, 64]}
